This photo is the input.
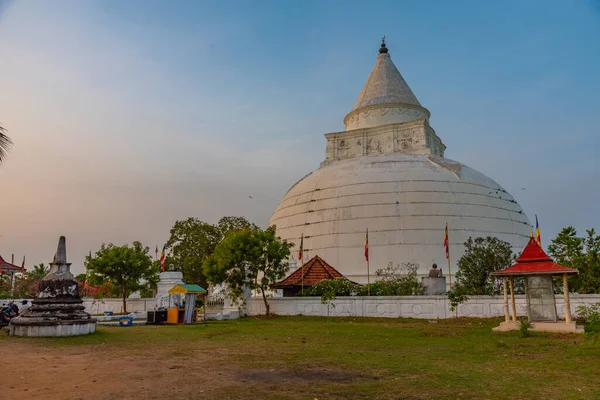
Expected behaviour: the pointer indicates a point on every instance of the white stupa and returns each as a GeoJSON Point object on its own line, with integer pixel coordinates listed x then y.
{"type": "Point", "coordinates": [387, 173]}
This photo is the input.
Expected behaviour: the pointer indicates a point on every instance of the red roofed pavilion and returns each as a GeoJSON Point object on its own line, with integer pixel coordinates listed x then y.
{"type": "Point", "coordinates": [537, 269]}
{"type": "Point", "coordinates": [315, 270]}
{"type": "Point", "coordinates": [5, 266]}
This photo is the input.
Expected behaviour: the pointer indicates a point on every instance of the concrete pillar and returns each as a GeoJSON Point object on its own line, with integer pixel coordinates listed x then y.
{"type": "Point", "coordinates": [567, 305]}
{"type": "Point", "coordinates": [512, 299]}
{"type": "Point", "coordinates": [506, 314]}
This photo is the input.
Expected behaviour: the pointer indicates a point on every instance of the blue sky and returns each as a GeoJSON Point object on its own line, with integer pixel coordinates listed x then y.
{"type": "Point", "coordinates": [128, 115]}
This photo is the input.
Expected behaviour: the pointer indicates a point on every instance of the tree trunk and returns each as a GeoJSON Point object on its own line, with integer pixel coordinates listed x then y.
{"type": "Point", "coordinates": [265, 300]}
{"type": "Point", "coordinates": [125, 301]}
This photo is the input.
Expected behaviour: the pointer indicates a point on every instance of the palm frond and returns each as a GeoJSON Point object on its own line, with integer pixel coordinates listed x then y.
{"type": "Point", "coordinates": [5, 144]}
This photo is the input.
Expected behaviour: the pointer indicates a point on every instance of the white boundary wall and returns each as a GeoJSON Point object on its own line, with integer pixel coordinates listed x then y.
{"type": "Point", "coordinates": [426, 307]}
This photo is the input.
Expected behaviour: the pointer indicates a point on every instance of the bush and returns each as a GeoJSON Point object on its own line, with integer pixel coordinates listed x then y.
{"type": "Point", "coordinates": [456, 296]}
{"type": "Point", "coordinates": [335, 287]}
{"type": "Point", "coordinates": [591, 315]}
{"type": "Point", "coordinates": [524, 326]}
{"type": "Point", "coordinates": [391, 281]}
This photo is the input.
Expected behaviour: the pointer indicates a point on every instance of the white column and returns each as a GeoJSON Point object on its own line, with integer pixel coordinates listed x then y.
{"type": "Point", "coordinates": [567, 305]}
{"type": "Point", "coordinates": [506, 314]}
{"type": "Point", "coordinates": [512, 299]}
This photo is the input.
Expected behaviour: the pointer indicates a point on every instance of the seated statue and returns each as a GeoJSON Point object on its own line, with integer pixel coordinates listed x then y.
{"type": "Point", "coordinates": [434, 272]}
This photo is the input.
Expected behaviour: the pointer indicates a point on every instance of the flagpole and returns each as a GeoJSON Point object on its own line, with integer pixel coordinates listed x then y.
{"type": "Point", "coordinates": [447, 245]}
{"type": "Point", "coordinates": [368, 264]}
{"type": "Point", "coordinates": [368, 278]}
{"type": "Point", "coordinates": [301, 257]}
{"type": "Point", "coordinates": [449, 273]}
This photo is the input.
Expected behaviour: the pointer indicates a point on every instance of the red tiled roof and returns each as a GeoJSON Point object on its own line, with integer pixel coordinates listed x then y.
{"type": "Point", "coordinates": [6, 266]}
{"type": "Point", "coordinates": [315, 270]}
{"type": "Point", "coordinates": [534, 261]}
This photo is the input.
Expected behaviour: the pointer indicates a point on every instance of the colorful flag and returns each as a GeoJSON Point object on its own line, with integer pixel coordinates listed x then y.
{"type": "Point", "coordinates": [156, 252]}
{"type": "Point", "coordinates": [538, 237]}
{"type": "Point", "coordinates": [54, 259]}
{"type": "Point", "coordinates": [531, 234]}
{"type": "Point", "coordinates": [301, 251]}
{"type": "Point", "coordinates": [23, 265]}
{"type": "Point", "coordinates": [162, 259]}
{"type": "Point", "coordinates": [446, 245]}
{"type": "Point", "coordinates": [367, 246]}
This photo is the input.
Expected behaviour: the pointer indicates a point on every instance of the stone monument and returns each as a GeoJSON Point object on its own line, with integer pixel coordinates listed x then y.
{"type": "Point", "coordinates": [434, 283]}
{"type": "Point", "coordinates": [57, 309]}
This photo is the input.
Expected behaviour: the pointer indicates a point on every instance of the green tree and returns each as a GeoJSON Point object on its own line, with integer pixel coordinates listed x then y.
{"type": "Point", "coordinates": [5, 144]}
{"type": "Point", "coordinates": [227, 225]}
{"type": "Point", "coordinates": [482, 257]}
{"type": "Point", "coordinates": [124, 266]}
{"type": "Point", "coordinates": [39, 271]}
{"type": "Point", "coordinates": [581, 253]}
{"type": "Point", "coordinates": [192, 241]}
{"type": "Point", "coordinates": [250, 258]}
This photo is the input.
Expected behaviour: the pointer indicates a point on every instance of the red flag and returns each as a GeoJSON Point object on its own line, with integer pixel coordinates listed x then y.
{"type": "Point", "coordinates": [162, 259]}
{"type": "Point", "coordinates": [367, 246]}
{"type": "Point", "coordinates": [301, 252]}
{"type": "Point", "coordinates": [446, 243]}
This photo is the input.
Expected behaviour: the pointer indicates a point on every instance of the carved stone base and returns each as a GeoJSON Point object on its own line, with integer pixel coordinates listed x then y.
{"type": "Point", "coordinates": [45, 328]}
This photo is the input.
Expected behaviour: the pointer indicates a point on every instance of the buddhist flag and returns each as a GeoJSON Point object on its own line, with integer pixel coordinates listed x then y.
{"type": "Point", "coordinates": [446, 245]}
{"type": "Point", "coordinates": [531, 233]}
{"type": "Point", "coordinates": [538, 237]}
{"type": "Point", "coordinates": [162, 259]}
{"type": "Point", "coordinates": [23, 265]}
{"type": "Point", "coordinates": [367, 246]}
{"type": "Point", "coordinates": [301, 251]}
{"type": "Point", "coordinates": [54, 259]}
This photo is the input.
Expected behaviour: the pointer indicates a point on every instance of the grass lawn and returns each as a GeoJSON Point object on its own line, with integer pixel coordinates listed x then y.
{"type": "Point", "coordinates": [304, 358]}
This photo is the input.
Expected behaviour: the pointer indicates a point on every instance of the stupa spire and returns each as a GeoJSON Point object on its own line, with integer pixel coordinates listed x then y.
{"type": "Point", "coordinates": [383, 49]}
{"type": "Point", "coordinates": [387, 92]}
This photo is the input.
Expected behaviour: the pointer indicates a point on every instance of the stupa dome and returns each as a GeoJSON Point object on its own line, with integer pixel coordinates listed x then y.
{"type": "Point", "coordinates": [389, 176]}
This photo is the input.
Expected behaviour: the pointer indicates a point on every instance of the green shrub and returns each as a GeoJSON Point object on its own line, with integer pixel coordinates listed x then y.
{"type": "Point", "coordinates": [392, 281]}
{"type": "Point", "coordinates": [333, 287]}
{"type": "Point", "coordinates": [456, 296]}
{"type": "Point", "coordinates": [524, 326]}
{"type": "Point", "coordinates": [590, 313]}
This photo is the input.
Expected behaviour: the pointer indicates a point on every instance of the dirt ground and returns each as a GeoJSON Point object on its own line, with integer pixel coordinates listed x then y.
{"type": "Point", "coordinates": [172, 370]}
{"type": "Point", "coordinates": [303, 358]}
{"type": "Point", "coordinates": [73, 373]}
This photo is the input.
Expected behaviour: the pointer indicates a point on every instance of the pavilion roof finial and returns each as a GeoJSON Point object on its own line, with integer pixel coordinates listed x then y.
{"type": "Point", "coordinates": [383, 49]}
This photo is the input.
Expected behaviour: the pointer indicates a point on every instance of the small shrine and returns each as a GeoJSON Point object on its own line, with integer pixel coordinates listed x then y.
{"type": "Point", "coordinates": [537, 269]}
{"type": "Point", "coordinates": [314, 270]}
{"type": "Point", "coordinates": [57, 309]}
{"type": "Point", "coordinates": [190, 313]}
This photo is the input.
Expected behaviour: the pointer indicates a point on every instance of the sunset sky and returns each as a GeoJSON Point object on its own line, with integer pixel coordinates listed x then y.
{"type": "Point", "coordinates": [129, 115]}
